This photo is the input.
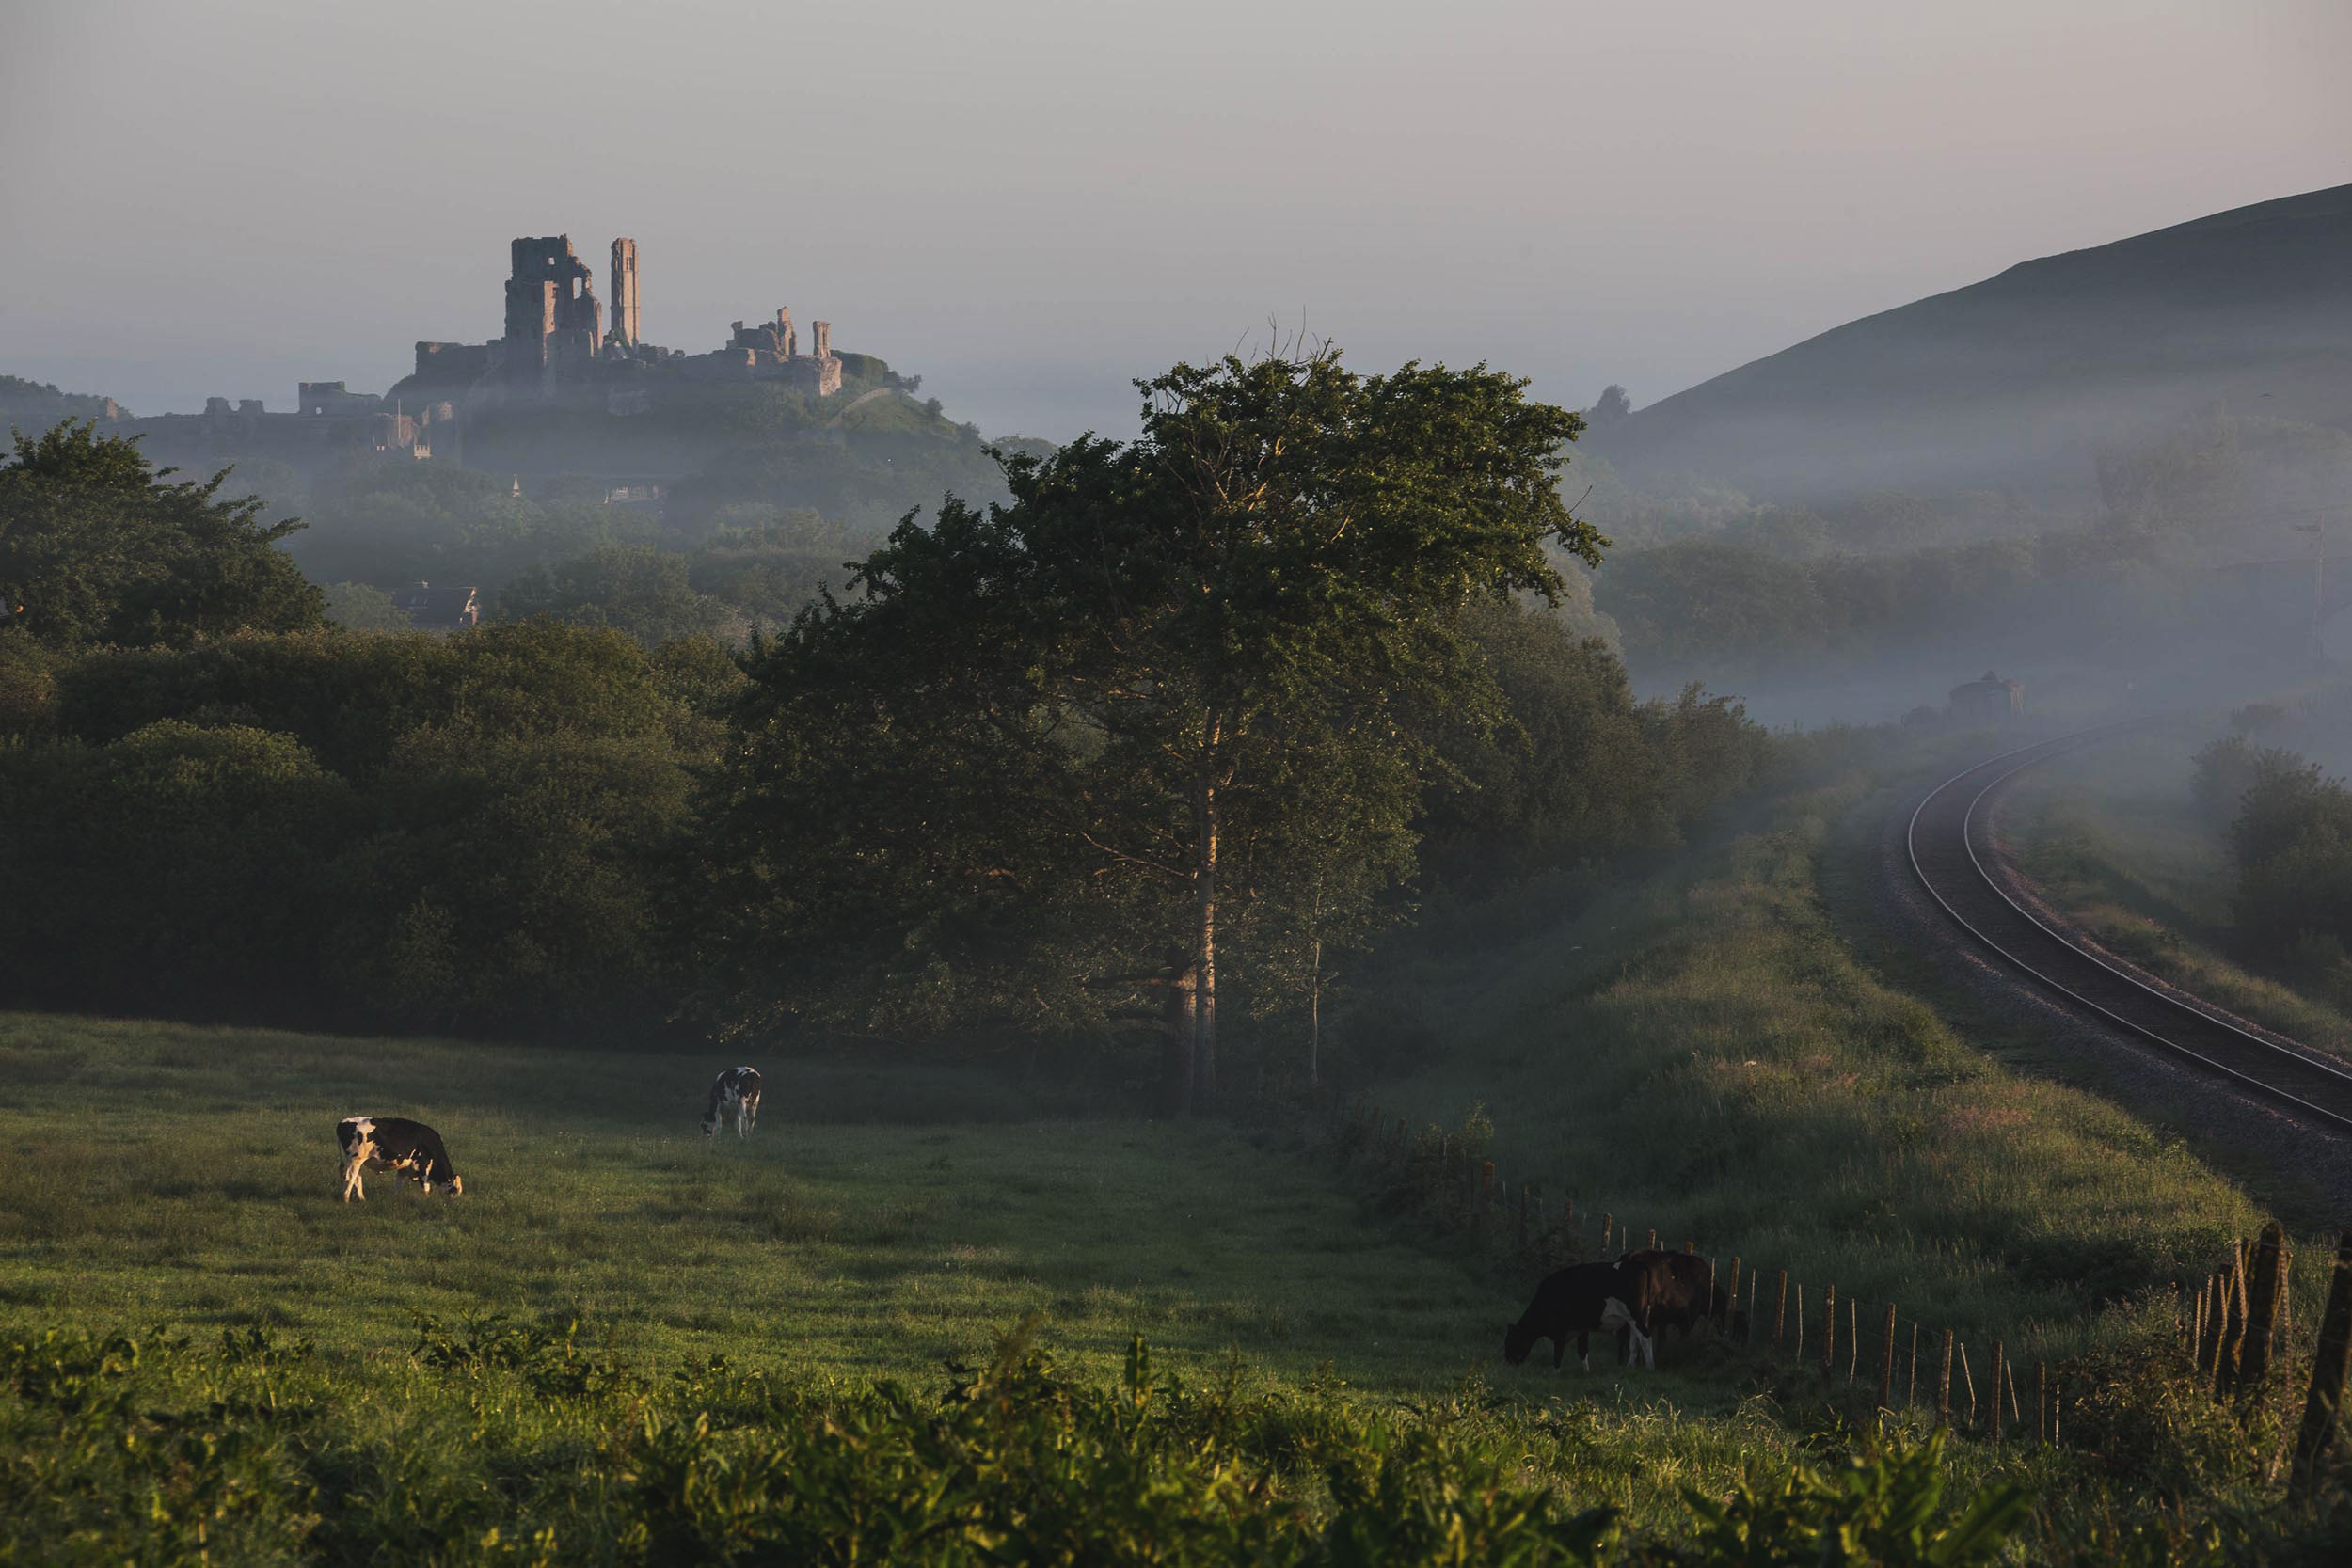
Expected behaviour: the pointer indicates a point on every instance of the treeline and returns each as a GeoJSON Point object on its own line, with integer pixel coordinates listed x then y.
{"type": "Point", "coordinates": [2290, 836]}
{"type": "Point", "coordinates": [1733, 604]}
{"type": "Point", "coordinates": [1143, 747]}
{"type": "Point", "coordinates": [2191, 538]}
{"type": "Point", "coordinates": [720, 564]}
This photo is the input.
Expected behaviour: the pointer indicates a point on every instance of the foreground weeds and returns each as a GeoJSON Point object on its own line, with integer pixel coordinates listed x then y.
{"type": "Point", "coordinates": [494, 1442]}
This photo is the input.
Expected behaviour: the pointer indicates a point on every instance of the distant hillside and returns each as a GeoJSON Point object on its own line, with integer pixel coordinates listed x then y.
{"type": "Point", "coordinates": [33, 406]}
{"type": "Point", "coordinates": [2019, 379]}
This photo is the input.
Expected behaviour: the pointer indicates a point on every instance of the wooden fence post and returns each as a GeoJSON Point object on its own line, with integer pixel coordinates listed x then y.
{"type": "Point", "coordinates": [1690, 1249]}
{"type": "Point", "coordinates": [1992, 1427]}
{"type": "Point", "coordinates": [1829, 1332]}
{"type": "Point", "coordinates": [1780, 1310]}
{"type": "Point", "coordinates": [1911, 1395]}
{"type": "Point", "coordinates": [1606, 1221]}
{"type": "Point", "coordinates": [1653, 1241]}
{"type": "Point", "coordinates": [2233, 1326]}
{"type": "Point", "coordinates": [1887, 1361]}
{"type": "Point", "coordinates": [1747, 1336]}
{"type": "Point", "coordinates": [2325, 1401]}
{"type": "Point", "coordinates": [1796, 1351]}
{"type": "Point", "coordinates": [1854, 1338]}
{"type": "Point", "coordinates": [2261, 1307]}
{"type": "Point", "coordinates": [1710, 1292]}
{"type": "Point", "coordinates": [1968, 1376]}
{"type": "Point", "coordinates": [2286, 1303]}
{"type": "Point", "coordinates": [1944, 1385]}
{"type": "Point", "coordinates": [1731, 1297]}
{"type": "Point", "coordinates": [2041, 1402]}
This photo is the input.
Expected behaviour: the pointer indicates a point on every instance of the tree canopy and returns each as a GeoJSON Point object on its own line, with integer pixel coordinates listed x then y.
{"type": "Point", "coordinates": [98, 546]}
{"type": "Point", "coordinates": [1049, 756]}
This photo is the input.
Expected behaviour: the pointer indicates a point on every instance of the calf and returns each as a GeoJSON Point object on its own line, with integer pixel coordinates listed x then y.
{"type": "Point", "coordinates": [734, 1093]}
{"type": "Point", "coordinates": [1583, 1299]}
{"type": "Point", "coordinates": [393, 1143]}
{"type": "Point", "coordinates": [1672, 1289]}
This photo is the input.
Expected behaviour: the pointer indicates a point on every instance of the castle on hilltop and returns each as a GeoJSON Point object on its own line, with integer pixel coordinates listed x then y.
{"type": "Point", "coordinates": [556, 339]}
{"type": "Point", "coordinates": [557, 351]}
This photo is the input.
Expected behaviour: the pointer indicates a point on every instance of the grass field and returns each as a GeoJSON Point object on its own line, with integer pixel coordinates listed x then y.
{"type": "Point", "coordinates": [171, 1180]}
{"type": "Point", "coordinates": [874, 1224]}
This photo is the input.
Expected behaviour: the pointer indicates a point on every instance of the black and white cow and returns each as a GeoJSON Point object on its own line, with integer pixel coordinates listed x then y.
{"type": "Point", "coordinates": [1583, 1299]}
{"type": "Point", "coordinates": [734, 1093]}
{"type": "Point", "coordinates": [396, 1144]}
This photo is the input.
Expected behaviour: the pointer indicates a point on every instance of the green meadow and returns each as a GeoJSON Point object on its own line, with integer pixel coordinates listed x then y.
{"type": "Point", "coordinates": [876, 1223]}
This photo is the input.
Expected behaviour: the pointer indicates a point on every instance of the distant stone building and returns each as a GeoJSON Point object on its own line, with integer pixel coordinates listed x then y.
{"type": "Point", "coordinates": [556, 351]}
{"type": "Point", "coordinates": [1987, 700]}
{"type": "Point", "coordinates": [431, 608]}
{"type": "Point", "coordinates": [330, 420]}
{"type": "Point", "coordinates": [555, 346]}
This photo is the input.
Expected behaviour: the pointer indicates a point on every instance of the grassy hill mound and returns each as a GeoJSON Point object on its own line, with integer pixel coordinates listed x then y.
{"type": "Point", "coordinates": [2020, 378]}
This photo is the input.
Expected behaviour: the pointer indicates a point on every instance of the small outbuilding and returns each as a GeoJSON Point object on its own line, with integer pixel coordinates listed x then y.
{"type": "Point", "coordinates": [1988, 700]}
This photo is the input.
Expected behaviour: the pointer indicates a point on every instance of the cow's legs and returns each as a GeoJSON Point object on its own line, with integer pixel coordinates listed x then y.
{"type": "Point", "coordinates": [352, 1182]}
{"type": "Point", "coordinates": [1583, 1351]}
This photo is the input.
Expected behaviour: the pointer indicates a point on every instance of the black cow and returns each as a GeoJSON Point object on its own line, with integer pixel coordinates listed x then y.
{"type": "Point", "coordinates": [1672, 1289]}
{"type": "Point", "coordinates": [1583, 1299]}
{"type": "Point", "coordinates": [733, 1093]}
{"type": "Point", "coordinates": [395, 1143]}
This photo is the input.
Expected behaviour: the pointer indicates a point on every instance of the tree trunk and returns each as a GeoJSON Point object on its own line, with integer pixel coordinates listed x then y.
{"type": "Point", "coordinates": [1314, 1020]}
{"type": "Point", "coordinates": [1204, 888]}
{"type": "Point", "coordinates": [1176, 1044]}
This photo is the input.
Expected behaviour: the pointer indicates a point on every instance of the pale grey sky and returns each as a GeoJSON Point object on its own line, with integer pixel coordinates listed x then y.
{"type": "Point", "coordinates": [1031, 201]}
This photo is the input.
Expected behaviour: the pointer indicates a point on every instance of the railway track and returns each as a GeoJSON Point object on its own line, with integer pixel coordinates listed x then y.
{"type": "Point", "coordinates": [1948, 841]}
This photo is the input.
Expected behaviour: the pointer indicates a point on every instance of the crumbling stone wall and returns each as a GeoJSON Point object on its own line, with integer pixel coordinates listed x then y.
{"type": "Point", "coordinates": [552, 317]}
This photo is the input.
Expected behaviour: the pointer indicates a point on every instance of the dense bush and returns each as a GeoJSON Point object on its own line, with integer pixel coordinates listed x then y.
{"type": "Point", "coordinates": [2292, 840]}
{"type": "Point", "coordinates": [1581, 770]}
{"type": "Point", "coordinates": [475, 832]}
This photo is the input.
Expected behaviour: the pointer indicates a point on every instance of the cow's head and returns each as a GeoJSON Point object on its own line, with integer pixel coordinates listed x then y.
{"type": "Point", "coordinates": [711, 1123]}
{"type": "Point", "coordinates": [1518, 1340]}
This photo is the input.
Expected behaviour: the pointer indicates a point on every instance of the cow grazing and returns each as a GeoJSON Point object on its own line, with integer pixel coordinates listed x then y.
{"type": "Point", "coordinates": [1583, 1299]}
{"type": "Point", "coordinates": [395, 1144]}
{"type": "Point", "coordinates": [734, 1093]}
{"type": "Point", "coordinates": [1672, 1289]}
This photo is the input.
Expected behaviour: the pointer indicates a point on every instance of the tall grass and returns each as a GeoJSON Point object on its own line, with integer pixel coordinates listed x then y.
{"type": "Point", "coordinates": [1705, 1055]}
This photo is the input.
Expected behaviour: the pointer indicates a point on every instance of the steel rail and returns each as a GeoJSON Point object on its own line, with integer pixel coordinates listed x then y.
{"type": "Point", "coordinates": [2336, 1079]}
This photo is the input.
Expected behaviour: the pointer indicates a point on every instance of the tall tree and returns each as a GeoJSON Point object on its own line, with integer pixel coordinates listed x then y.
{"type": "Point", "coordinates": [98, 545]}
{"type": "Point", "coordinates": [1068, 723]}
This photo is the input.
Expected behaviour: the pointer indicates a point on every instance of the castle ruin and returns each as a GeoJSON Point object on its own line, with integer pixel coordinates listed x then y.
{"type": "Point", "coordinates": [556, 341]}
{"type": "Point", "coordinates": [556, 350]}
